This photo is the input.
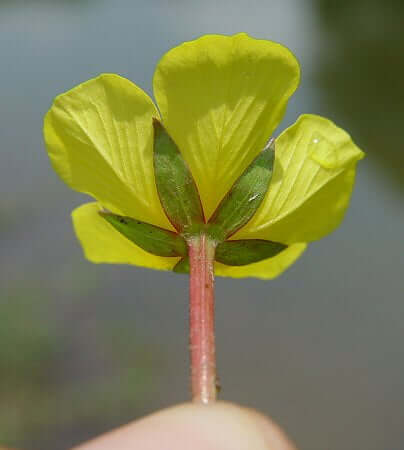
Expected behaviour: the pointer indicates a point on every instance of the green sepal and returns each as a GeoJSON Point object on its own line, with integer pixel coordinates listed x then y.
{"type": "Point", "coordinates": [245, 196]}
{"type": "Point", "coordinates": [182, 265]}
{"type": "Point", "coordinates": [150, 238]}
{"type": "Point", "coordinates": [175, 185]}
{"type": "Point", "coordinates": [247, 251]}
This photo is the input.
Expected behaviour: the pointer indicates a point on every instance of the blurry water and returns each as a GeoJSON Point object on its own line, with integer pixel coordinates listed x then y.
{"type": "Point", "coordinates": [319, 349]}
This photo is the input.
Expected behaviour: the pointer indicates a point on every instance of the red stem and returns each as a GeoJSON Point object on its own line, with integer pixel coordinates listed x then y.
{"type": "Point", "coordinates": [202, 320]}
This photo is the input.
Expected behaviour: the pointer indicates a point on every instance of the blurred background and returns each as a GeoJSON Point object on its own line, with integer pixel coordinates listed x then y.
{"type": "Point", "coordinates": [84, 348]}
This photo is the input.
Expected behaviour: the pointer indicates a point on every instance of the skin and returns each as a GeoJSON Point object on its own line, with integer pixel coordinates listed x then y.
{"type": "Point", "coordinates": [218, 426]}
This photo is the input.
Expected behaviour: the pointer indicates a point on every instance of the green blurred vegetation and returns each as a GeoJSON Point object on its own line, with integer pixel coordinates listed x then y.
{"type": "Point", "coordinates": [361, 73]}
{"type": "Point", "coordinates": [40, 397]}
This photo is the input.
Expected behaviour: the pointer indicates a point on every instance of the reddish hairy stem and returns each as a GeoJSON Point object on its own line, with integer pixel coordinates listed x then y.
{"type": "Point", "coordinates": [202, 319]}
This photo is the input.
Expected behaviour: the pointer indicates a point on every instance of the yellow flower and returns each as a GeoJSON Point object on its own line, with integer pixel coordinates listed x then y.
{"type": "Point", "coordinates": [220, 98]}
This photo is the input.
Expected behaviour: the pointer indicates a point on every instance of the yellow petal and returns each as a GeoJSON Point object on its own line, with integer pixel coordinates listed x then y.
{"type": "Point", "coordinates": [99, 139]}
{"type": "Point", "coordinates": [103, 244]}
{"type": "Point", "coordinates": [221, 98]}
{"type": "Point", "coordinates": [267, 269]}
{"type": "Point", "coordinates": [312, 183]}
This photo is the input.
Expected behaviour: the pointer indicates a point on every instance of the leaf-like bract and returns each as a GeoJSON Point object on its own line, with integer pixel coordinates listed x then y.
{"type": "Point", "coordinates": [182, 265]}
{"type": "Point", "coordinates": [176, 187]}
{"type": "Point", "coordinates": [155, 240]}
{"type": "Point", "coordinates": [247, 251]}
{"type": "Point", "coordinates": [245, 196]}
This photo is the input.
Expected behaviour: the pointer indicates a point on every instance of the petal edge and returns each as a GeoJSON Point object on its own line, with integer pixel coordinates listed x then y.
{"type": "Point", "coordinates": [221, 97]}
{"type": "Point", "coordinates": [101, 243]}
{"type": "Point", "coordinates": [99, 140]}
{"type": "Point", "coordinates": [264, 270]}
{"type": "Point", "coordinates": [312, 183]}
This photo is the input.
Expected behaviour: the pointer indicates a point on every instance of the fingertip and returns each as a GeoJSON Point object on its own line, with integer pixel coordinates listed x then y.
{"type": "Point", "coordinates": [276, 438]}
{"type": "Point", "coordinates": [220, 426]}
